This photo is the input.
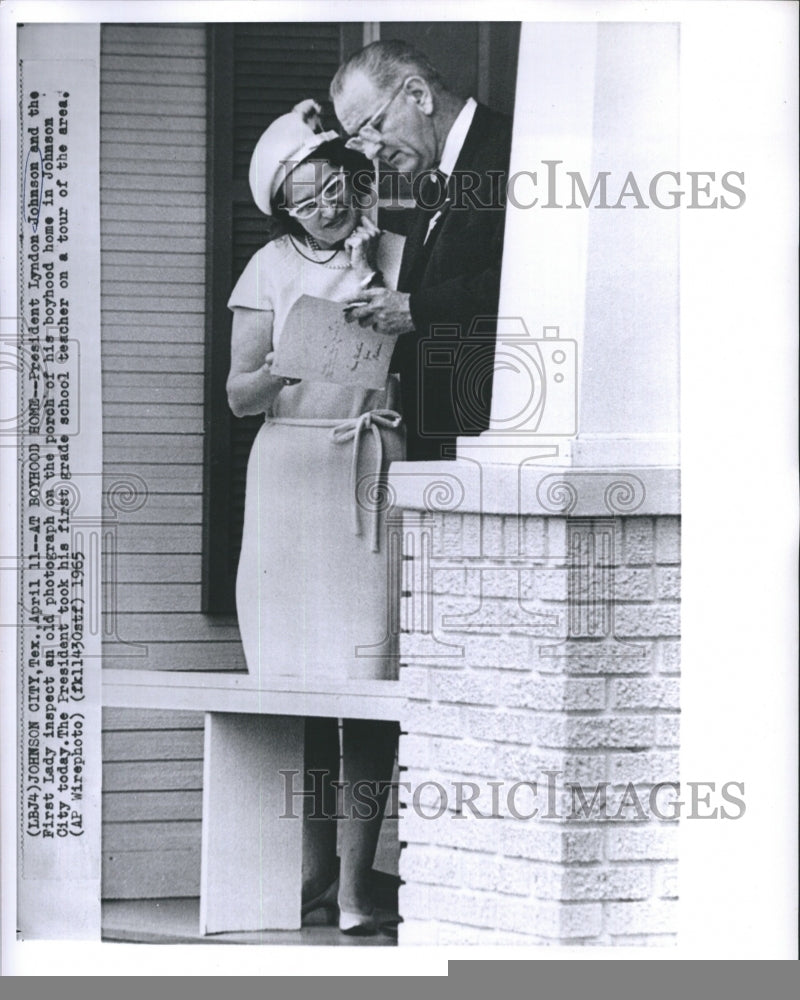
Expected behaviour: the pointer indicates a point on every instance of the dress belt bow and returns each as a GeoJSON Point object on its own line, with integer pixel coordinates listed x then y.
{"type": "Point", "coordinates": [352, 430]}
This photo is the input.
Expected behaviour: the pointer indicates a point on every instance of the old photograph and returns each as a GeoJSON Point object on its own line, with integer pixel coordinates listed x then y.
{"type": "Point", "coordinates": [349, 440]}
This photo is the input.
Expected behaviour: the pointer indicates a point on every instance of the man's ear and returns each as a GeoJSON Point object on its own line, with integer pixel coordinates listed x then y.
{"type": "Point", "coordinates": [420, 91]}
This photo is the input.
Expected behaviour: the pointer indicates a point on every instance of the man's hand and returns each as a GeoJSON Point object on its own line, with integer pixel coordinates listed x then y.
{"type": "Point", "coordinates": [384, 310]}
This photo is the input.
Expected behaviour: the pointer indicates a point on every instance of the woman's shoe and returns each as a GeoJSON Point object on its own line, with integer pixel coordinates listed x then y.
{"type": "Point", "coordinates": [326, 900]}
{"type": "Point", "coordinates": [357, 924]}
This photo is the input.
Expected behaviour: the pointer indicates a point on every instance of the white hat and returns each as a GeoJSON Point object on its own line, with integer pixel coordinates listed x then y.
{"type": "Point", "coordinates": [285, 144]}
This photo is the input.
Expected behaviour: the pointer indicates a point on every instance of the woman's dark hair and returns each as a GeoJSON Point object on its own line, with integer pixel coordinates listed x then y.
{"type": "Point", "coordinates": [358, 168]}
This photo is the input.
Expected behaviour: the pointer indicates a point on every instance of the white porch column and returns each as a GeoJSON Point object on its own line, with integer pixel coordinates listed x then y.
{"type": "Point", "coordinates": [596, 104]}
{"type": "Point", "coordinates": [546, 246]}
{"type": "Point", "coordinates": [629, 369]}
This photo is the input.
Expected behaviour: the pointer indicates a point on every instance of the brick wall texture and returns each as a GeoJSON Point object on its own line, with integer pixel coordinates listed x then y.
{"type": "Point", "coordinates": [540, 657]}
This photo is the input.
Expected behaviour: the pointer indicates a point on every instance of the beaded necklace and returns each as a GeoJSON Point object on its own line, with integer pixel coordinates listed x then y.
{"type": "Point", "coordinates": [314, 247]}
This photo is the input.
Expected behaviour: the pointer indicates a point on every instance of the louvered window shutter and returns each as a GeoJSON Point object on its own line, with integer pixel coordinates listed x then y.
{"type": "Point", "coordinates": [256, 73]}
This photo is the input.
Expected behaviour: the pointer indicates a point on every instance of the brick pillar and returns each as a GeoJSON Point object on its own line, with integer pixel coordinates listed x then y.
{"type": "Point", "coordinates": [547, 652]}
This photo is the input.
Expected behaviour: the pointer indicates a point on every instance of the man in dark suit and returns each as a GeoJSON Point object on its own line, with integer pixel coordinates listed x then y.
{"type": "Point", "coordinates": [395, 106]}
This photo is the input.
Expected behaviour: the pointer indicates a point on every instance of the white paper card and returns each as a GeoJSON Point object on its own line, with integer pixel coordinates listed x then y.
{"type": "Point", "coordinates": [317, 343]}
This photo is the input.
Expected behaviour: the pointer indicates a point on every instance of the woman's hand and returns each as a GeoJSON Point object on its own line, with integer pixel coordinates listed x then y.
{"type": "Point", "coordinates": [362, 247]}
{"type": "Point", "coordinates": [266, 368]}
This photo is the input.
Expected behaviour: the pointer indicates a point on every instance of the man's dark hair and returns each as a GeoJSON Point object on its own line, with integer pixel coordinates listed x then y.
{"type": "Point", "coordinates": [386, 63]}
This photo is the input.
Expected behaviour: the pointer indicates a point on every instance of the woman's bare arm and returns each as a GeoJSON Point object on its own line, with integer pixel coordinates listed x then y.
{"type": "Point", "coordinates": [251, 386]}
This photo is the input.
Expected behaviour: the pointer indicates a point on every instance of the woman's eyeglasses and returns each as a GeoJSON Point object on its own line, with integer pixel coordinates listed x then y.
{"type": "Point", "coordinates": [368, 135]}
{"type": "Point", "coordinates": [330, 193]}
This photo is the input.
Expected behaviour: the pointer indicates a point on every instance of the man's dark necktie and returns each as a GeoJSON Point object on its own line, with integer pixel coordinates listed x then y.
{"type": "Point", "coordinates": [432, 192]}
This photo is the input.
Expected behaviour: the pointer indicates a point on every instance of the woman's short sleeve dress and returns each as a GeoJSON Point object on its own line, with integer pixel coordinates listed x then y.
{"type": "Point", "coordinates": [317, 589]}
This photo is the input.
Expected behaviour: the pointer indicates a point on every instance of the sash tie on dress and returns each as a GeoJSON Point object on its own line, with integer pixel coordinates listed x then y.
{"type": "Point", "coordinates": [352, 430]}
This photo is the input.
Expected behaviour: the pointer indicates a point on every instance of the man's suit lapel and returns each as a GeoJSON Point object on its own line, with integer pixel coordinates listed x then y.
{"type": "Point", "coordinates": [473, 140]}
{"type": "Point", "coordinates": [412, 248]}
{"type": "Point", "coordinates": [417, 250]}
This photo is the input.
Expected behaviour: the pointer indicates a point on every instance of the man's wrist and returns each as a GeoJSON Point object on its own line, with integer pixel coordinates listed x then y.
{"type": "Point", "coordinates": [412, 326]}
{"type": "Point", "coordinates": [411, 305]}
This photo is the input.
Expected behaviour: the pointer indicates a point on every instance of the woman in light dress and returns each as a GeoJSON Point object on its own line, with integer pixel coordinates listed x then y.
{"type": "Point", "coordinates": [318, 578]}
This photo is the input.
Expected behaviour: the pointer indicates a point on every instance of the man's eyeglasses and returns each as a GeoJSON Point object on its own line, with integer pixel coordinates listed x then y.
{"type": "Point", "coordinates": [330, 193]}
{"type": "Point", "coordinates": [369, 135]}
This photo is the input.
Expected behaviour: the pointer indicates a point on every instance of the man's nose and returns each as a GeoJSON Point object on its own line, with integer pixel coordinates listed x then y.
{"type": "Point", "coordinates": [329, 208]}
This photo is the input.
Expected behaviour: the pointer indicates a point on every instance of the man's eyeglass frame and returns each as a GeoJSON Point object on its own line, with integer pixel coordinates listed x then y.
{"type": "Point", "coordinates": [369, 133]}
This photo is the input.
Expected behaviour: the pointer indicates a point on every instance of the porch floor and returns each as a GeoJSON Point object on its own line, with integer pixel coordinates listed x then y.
{"type": "Point", "coordinates": [177, 921]}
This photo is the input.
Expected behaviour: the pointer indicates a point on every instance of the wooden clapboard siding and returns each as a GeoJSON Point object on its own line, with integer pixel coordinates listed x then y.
{"type": "Point", "coordinates": [160, 744]}
{"type": "Point", "coordinates": [166, 509]}
{"type": "Point", "coordinates": [153, 230]}
{"type": "Point", "coordinates": [128, 807]}
{"type": "Point", "coordinates": [153, 218]}
{"type": "Point", "coordinates": [125, 776]}
{"type": "Point", "coordinates": [152, 801]}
